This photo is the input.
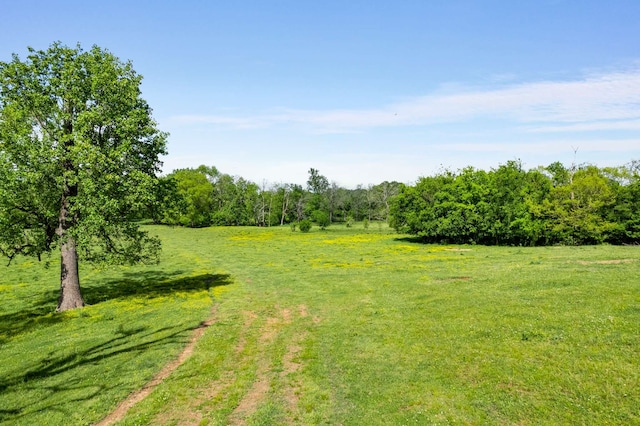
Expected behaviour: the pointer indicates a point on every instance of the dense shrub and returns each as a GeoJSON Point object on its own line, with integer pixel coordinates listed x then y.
{"type": "Point", "coordinates": [512, 206]}
{"type": "Point", "coordinates": [321, 218]}
{"type": "Point", "coordinates": [305, 225]}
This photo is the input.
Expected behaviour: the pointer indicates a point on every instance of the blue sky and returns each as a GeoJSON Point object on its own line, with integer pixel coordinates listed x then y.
{"type": "Point", "coordinates": [367, 91]}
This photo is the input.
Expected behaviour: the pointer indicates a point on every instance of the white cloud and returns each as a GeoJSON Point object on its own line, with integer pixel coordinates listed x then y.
{"type": "Point", "coordinates": [549, 146]}
{"type": "Point", "coordinates": [596, 102]}
{"type": "Point", "coordinates": [589, 127]}
{"type": "Point", "coordinates": [540, 122]}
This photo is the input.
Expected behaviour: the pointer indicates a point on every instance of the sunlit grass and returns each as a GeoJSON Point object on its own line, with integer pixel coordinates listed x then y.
{"type": "Point", "coordinates": [343, 326]}
{"type": "Point", "coordinates": [73, 367]}
{"type": "Point", "coordinates": [387, 331]}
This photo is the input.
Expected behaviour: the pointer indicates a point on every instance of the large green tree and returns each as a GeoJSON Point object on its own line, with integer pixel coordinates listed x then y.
{"type": "Point", "coordinates": [317, 185]}
{"type": "Point", "coordinates": [78, 160]}
{"type": "Point", "coordinates": [196, 190]}
{"type": "Point", "coordinates": [577, 211]}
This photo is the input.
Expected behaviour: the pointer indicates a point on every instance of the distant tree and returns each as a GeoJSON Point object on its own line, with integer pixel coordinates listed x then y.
{"type": "Point", "coordinates": [285, 199]}
{"type": "Point", "coordinates": [529, 225]}
{"type": "Point", "coordinates": [263, 205]}
{"type": "Point", "coordinates": [372, 202]}
{"type": "Point", "coordinates": [246, 201]}
{"type": "Point", "coordinates": [272, 198]}
{"type": "Point", "coordinates": [506, 204]}
{"type": "Point", "coordinates": [298, 198]}
{"type": "Point", "coordinates": [318, 186]}
{"type": "Point", "coordinates": [236, 200]}
{"type": "Point", "coordinates": [78, 161]}
{"type": "Point", "coordinates": [283, 193]}
{"type": "Point", "coordinates": [195, 189]}
{"type": "Point", "coordinates": [333, 200]}
{"type": "Point", "coordinates": [318, 198]}
{"type": "Point", "coordinates": [342, 207]}
{"type": "Point", "coordinates": [317, 183]}
{"type": "Point", "coordinates": [577, 211]}
{"type": "Point", "coordinates": [559, 174]}
{"type": "Point", "coordinates": [170, 204]}
{"type": "Point", "coordinates": [384, 193]}
{"type": "Point", "coordinates": [357, 201]}
{"type": "Point", "coordinates": [414, 209]}
{"type": "Point", "coordinates": [210, 172]}
{"type": "Point", "coordinates": [464, 207]}
{"type": "Point", "coordinates": [625, 214]}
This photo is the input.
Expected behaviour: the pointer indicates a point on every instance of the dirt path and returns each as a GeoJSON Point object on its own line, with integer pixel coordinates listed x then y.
{"type": "Point", "coordinates": [137, 396]}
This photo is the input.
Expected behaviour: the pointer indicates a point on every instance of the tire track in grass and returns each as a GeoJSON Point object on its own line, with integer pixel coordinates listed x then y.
{"type": "Point", "coordinates": [290, 367]}
{"type": "Point", "coordinates": [137, 396]}
{"type": "Point", "coordinates": [259, 390]}
{"type": "Point", "coordinates": [257, 393]}
{"type": "Point", "coordinates": [291, 392]}
{"type": "Point", "coordinates": [214, 389]}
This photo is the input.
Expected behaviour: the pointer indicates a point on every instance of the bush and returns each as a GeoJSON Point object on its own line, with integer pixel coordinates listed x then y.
{"type": "Point", "coordinates": [305, 225]}
{"type": "Point", "coordinates": [321, 218]}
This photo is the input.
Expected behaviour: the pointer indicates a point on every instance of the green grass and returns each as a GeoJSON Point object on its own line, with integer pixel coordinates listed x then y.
{"type": "Point", "coordinates": [73, 367]}
{"type": "Point", "coordinates": [343, 326]}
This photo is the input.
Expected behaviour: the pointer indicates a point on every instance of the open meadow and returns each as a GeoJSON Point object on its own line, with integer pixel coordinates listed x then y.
{"type": "Point", "coordinates": [345, 326]}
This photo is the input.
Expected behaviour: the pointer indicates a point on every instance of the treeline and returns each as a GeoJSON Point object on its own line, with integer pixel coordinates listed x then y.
{"type": "Point", "coordinates": [511, 206]}
{"type": "Point", "coordinates": [204, 196]}
{"type": "Point", "coordinates": [506, 206]}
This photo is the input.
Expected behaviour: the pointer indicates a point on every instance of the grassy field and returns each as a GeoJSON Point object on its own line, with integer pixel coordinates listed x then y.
{"type": "Point", "coordinates": [343, 326]}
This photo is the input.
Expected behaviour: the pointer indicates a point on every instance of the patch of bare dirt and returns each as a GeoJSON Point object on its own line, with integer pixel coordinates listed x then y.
{"type": "Point", "coordinates": [286, 315]}
{"type": "Point", "coordinates": [290, 367]}
{"type": "Point", "coordinates": [302, 309]}
{"type": "Point", "coordinates": [249, 317]}
{"type": "Point", "coordinates": [269, 330]}
{"type": "Point", "coordinates": [137, 396]}
{"type": "Point", "coordinates": [254, 397]}
{"type": "Point", "coordinates": [190, 419]}
{"type": "Point", "coordinates": [449, 279]}
{"type": "Point", "coordinates": [606, 262]}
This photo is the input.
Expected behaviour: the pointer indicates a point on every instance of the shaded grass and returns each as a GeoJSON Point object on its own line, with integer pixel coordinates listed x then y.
{"type": "Point", "coordinates": [343, 326]}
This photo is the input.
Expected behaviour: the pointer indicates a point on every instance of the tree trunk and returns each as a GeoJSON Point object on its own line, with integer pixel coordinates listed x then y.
{"type": "Point", "coordinates": [285, 206]}
{"type": "Point", "coordinates": [70, 296]}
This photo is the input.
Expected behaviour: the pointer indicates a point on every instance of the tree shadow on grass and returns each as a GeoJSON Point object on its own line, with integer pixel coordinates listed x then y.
{"type": "Point", "coordinates": [38, 315]}
{"type": "Point", "coordinates": [39, 377]}
{"type": "Point", "coordinates": [414, 240]}
{"type": "Point", "coordinates": [149, 284]}
{"type": "Point", "coordinates": [52, 372]}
